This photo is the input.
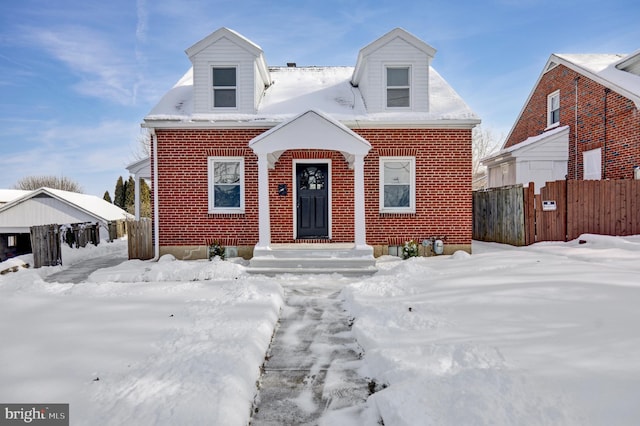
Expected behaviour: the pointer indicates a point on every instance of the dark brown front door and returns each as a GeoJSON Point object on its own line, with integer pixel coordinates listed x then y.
{"type": "Point", "coordinates": [312, 200]}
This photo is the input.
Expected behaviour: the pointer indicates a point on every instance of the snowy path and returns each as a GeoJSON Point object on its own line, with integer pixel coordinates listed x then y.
{"type": "Point", "coordinates": [310, 373]}
{"type": "Point", "coordinates": [79, 272]}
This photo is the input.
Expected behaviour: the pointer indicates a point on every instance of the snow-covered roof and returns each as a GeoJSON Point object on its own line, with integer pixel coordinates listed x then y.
{"type": "Point", "coordinates": [593, 62]}
{"type": "Point", "coordinates": [90, 204]}
{"type": "Point", "coordinates": [221, 33]}
{"type": "Point", "coordinates": [7, 195]}
{"type": "Point", "coordinates": [506, 153]}
{"type": "Point", "coordinates": [604, 69]}
{"type": "Point", "coordinates": [299, 89]}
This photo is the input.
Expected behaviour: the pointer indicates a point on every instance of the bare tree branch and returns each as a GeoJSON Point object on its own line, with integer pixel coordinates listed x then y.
{"type": "Point", "coordinates": [484, 144]}
{"type": "Point", "coordinates": [31, 183]}
{"type": "Point", "coordinates": [143, 145]}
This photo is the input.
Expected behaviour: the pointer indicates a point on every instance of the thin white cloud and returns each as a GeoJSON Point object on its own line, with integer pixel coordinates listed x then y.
{"type": "Point", "coordinates": [83, 153]}
{"type": "Point", "coordinates": [105, 70]}
{"type": "Point", "coordinates": [143, 20]}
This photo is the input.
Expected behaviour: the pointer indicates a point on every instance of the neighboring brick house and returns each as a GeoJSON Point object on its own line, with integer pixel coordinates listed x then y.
{"type": "Point", "coordinates": [257, 157]}
{"type": "Point", "coordinates": [581, 121]}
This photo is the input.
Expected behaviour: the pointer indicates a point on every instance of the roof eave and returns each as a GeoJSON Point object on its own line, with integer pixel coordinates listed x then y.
{"type": "Point", "coordinates": [219, 34]}
{"type": "Point", "coordinates": [468, 123]}
{"type": "Point", "coordinates": [601, 80]}
{"type": "Point", "coordinates": [496, 158]}
{"type": "Point", "coordinates": [381, 41]}
{"type": "Point", "coordinates": [45, 190]}
{"type": "Point", "coordinates": [558, 60]}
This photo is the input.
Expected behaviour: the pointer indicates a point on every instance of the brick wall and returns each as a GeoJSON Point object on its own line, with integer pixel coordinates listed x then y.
{"type": "Point", "coordinates": [183, 187]}
{"type": "Point", "coordinates": [619, 139]}
{"type": "Point", "coordinates": [443, 184]}
{"type": "Point", "coordinates": [282, 208]}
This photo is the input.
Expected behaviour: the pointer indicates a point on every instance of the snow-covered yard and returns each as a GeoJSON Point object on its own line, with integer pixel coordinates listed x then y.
{"type": "Point", "coordinates": [546, 334]}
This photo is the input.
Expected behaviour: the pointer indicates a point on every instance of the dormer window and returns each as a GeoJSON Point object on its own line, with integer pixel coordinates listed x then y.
{"type": "Point", "coordinates": [398, 87]}
{"type": "Point", "coordinates": [553, 108]}
{"type": "Point", "coordinates": [224, 87]}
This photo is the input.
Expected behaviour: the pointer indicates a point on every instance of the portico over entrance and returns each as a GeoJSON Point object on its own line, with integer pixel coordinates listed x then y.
{"type": "Point", "coordinates": [311, 130]}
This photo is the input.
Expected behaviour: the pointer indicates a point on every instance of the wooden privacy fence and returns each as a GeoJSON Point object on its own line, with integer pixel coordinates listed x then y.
{"type": "Point", "coordinates": [562, 211]}
{"type": "Point", "coordinates": [498, 215]}
{"type": "Point", "coordinates": [140, 240]}
{"type": "Point", "coordinates": [45, 244]}
{"type": "Point", "coordinates": [117, 229]}
{"type": "Point", "coordinates": [608, 207]}
{"type": "Point", "coordinates": [78, 235]}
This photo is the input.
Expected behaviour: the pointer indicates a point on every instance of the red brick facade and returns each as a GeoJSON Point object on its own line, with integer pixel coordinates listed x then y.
{"type": "Point", "coordinates": [443, 188]}
{"type": "Point", "coordinates": [604, 119]}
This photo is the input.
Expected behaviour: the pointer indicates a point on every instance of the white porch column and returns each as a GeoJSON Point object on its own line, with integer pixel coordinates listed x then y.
{"type": "Point", "coordinates": [264, 221]}
{"type": "Point", "coordinates": [136, 179]}
{"type": "Point", "coordinates": [359, 215]}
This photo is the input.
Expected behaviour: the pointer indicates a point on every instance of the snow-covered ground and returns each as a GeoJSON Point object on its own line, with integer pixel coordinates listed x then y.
{"type": "Point", "coordinates": [546, 334]}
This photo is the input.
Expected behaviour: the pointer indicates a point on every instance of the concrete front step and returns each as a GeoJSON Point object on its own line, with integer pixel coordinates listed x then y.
{"type": "Point", "coordinates": [345, 259]}
{"type": "Point", "coordinates": [275, 270]}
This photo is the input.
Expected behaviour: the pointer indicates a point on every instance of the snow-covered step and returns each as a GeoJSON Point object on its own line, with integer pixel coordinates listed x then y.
{"type": "Point", "coordinates": [313, 259]}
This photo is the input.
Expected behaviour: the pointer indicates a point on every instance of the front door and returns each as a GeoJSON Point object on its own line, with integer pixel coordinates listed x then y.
{"type": "Point", "coordinates": [312, 203]}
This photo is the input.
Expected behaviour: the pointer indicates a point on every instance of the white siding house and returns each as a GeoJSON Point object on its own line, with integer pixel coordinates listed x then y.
{"type": "Point", "coordinates": [399, 51]}
{"type": "Point", "coordinates": [47, 206]}
{"type": "Point", "coordinates": [243, 73]}
{"type": "Point", "coordinates": [538, 159]}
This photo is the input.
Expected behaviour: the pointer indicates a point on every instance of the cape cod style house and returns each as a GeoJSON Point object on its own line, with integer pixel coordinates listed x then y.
{"type": "Point", "coordinates": [581, 121]}
{"type": "Point", "coordinates": [337, 164]}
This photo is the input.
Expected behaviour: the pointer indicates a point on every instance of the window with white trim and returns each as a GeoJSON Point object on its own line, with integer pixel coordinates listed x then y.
{"type": "Point", "coordinates": [12, 241]}
{"type": "Point", "coordinates": [592, 163]}
{"type": "Point", "coordinates": [226, 184]}
{"type": "Point", "coordinates": [553, 108]}
{"type": "Point", "coordinates": [398, 87]}
{"type": "Point", "coordinates": [397, 184]}
{"type": "Point", "coordinates": [224, 87]}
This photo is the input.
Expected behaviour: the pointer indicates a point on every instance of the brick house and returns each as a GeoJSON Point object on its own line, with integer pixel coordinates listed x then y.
{"type": "Point", "coordinates": [343, 162]}
{"type": "Point", "coordinates": [581, 121]}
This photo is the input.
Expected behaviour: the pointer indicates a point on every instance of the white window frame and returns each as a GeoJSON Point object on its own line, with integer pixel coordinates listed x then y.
{"type": "Point", "coordinates": [12, 240]}
{"type": "Point", "coordinates": [412, 182]}
{"type": "Point", "coordinates": [211, 191]}
{"type": "Point", "coordinates": [550, 110]}
{"type": "Point", "coordinates": [213, 88]}
{"type": "Point", "coordinates": [592, 164]}
{"type": "Point", "coordinates": [387, 87]}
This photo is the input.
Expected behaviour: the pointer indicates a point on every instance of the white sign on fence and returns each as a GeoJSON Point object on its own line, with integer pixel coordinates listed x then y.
{"type": "Point", "coordinates": [548, 205]}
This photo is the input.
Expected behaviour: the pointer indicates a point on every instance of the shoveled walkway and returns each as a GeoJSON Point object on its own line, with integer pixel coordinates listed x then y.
{"type": "Point", "coordinates": [79, 272]}
{"type": "Point", "coordinates": [311, 366]}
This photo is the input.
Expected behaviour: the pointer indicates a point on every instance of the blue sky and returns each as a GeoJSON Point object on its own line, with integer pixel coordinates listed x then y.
{"type": "Point", "coordinates": [77, 77]}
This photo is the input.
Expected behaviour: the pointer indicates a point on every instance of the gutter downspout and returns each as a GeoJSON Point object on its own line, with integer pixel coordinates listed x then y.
{"type": "Point", "coordinates": [575, 133]}
{"type": "Point", "coordinates": [604, 148]}
{"type": "Point", "coordinates": [156, 214]}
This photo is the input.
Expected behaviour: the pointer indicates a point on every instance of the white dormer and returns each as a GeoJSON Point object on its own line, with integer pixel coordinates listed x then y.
{"type": "Point", "coordinates": [230, 73]}
{"type": "Point", "coordinates": [392, 73]}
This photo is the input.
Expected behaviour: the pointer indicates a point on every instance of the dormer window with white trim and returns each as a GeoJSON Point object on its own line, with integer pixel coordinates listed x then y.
{"type": "Point", "coordinates": [398, 87]}
{"type": "Point", "coordinates": [224, 87]}
{"type": "Point", "coordinates": [553, 108]}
